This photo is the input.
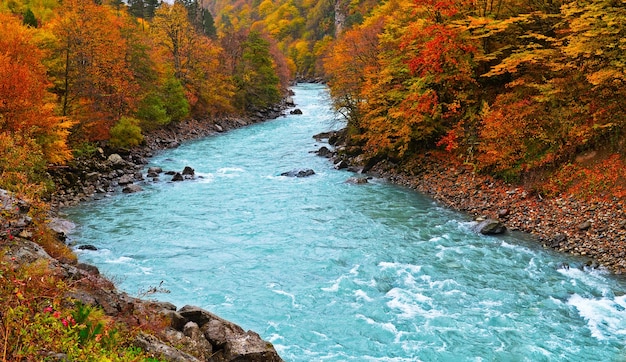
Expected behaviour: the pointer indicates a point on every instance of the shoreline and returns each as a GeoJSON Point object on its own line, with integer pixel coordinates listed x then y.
{"type": "Point", "coordinates": [594, 230]}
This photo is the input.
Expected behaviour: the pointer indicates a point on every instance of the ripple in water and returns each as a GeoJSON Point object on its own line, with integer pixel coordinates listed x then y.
{"type": "Point", "coordinates": [329, 271]}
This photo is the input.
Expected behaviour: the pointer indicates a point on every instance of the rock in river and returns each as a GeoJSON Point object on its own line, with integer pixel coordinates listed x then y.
{"type": "Point", "coordinates": [490, 227]}
{"type": "Point", "coordinates": [299, 173]}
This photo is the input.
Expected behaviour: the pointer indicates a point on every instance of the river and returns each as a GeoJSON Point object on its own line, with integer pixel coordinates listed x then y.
{"type": "Point", "coordinates": [332, 271]}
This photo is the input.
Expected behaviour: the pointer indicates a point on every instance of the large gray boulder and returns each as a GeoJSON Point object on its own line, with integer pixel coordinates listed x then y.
{"type": "Point", "coordinates": [490, 227]}
{"type": "Point", "coordinates": [230, 342]}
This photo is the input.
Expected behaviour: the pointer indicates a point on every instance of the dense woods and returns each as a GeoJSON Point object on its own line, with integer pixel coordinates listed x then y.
{"type": "Point", "coordinates": [519, 90]}
{"type": "Point", "coordinates": [76, 75]}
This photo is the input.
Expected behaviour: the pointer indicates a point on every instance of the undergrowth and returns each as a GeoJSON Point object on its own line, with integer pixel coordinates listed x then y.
{"type": "Point", "coordinates": [39, 323]}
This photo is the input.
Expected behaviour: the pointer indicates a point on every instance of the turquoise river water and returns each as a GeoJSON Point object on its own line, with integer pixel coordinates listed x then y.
{"type": "Point", "coordinates": [331, 271]}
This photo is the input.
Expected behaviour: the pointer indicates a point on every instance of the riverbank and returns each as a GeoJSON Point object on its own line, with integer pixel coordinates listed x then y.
{"type": "Point", "coordinates": [594, 229]}
{"type": "Point", "coordinates": [102, 173]}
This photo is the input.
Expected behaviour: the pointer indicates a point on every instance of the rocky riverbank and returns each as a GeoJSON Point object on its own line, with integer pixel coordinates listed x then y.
{"type": "Point", "coordinates": [593, 229]}
{"type": "Point", "coordinates": [103, 172]}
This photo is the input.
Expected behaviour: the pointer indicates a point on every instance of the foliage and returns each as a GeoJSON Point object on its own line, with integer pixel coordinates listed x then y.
{"type": "Point", "coordinates": [89, 62]}
{"type": "Point", "coordinates": [38, 320]}
{"type": "Point", "coordinates": [26, 107]}
{"type": "Point", "coordinates": [255, 76]}
{"type": "Point", "coordinates": [126, 133]}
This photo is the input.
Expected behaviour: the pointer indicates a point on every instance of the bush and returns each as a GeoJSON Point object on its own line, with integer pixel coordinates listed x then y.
{"type": "Point", "coordinates": [126, 133]}
{"type": "Point", "coordinates": [152, 112]}
{"type": "Point", "coordinates": [176, 103]}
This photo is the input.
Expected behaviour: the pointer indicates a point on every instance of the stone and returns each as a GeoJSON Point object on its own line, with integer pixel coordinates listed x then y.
{"type": "Point", "coordinates": [357, 180]}
{"type": "Point", "coordinates": [61, 227]}
{"type": "Point", "coordinates": [92, 176]}
{"type": "Point", "coordinates": [178, 177]}
{"type": "Point", "coordinates": [116, 160]}
{"type": "Point", "coordinates": [155, 170]}
{"type": "Point", "coordinates": [296, 111]}
{"type": "Point", "coordinates": [584, 225]}
{"type": "Point", "coordinates": [324, 152]}
{"type": "Point", "coordinates": [235, 343]}
{"type": "Point", "coordinates": [490, 227]}
{"type": "Point", "coordinates": [188, 171]}
{"type": "Point", "coordinates": [250, 347]}
{"type": "Point", "coordinates": [151, 344]}
{"type": "Point", "coordinates": [504, 212]}
{"type": "Point", "coordinates": [125, 180]}
{"type": "Point", "coordinates": [130, 189]}
{"type": "Point", "coordinates": [299, 173]}
{"type": "Point", "coordinates": [194, 343]}
{"type": "Point", "coordinates": [87, 247]}
{"type": "Point", "coordinates": [93, 270]}
{"type": "Point", "coordinates": [557, 240]}
{"type": "Point", "coordinates": [341, 165]}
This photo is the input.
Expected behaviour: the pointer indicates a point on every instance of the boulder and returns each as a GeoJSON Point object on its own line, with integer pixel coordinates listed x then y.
{"type": "Point", "coordinates": [324, 152]}
{"type": "Point", "coordinates": [87, 247]}
{"type": "Point", "coordinates": [188, 171]}
{"type": "Point", "coordinates": [155, 170]}
{"type": "Point", "coordinates": [341, 165]}
{"type": "Point", "coordinates": [299, 173]}
{"type": "Point", "coordinates": [229, 340]}
{"type": "Point", "coordinates": [296, 111]}
{"type": "Point", "coordinates": [357, 180]}
{"type": "Point", "coordinates": [61, 227]}
{"type": "Point", "coordinates": [153, 345]}
{"type": "Point", "coordinates": [130, 189]}
{"type": "Point", "coordinates": [178, 177]}
{"type": "Point", "coordinates": [125, 180]}
{"type": "Point", "coordinates": [116, 160]}
{"type": "Point", "coordinates": [490, 227]}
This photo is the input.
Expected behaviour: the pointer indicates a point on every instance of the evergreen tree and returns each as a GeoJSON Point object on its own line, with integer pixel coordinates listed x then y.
{"type": "Point", "coordinates": [29, 18]}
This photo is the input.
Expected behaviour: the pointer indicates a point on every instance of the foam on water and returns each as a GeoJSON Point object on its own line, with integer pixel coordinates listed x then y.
{"type": "Point", "coordinates": [330, 271]}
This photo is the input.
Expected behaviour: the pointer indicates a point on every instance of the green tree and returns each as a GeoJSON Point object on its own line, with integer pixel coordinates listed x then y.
{"type": "Point", "coordinates": [255, 77]}
{"type": "Point", "coordinates": [29, 18]}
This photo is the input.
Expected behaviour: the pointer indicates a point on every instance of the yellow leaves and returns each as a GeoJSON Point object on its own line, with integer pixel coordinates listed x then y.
{"type": "Point", "coordinates": [605, 75]}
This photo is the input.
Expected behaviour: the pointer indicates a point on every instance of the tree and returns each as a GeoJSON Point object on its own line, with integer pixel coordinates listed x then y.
{"type": "Point", "coordinates": [255, 77]}
{"type": "Point", "coordinates": [29, 18]}
{"type": "Point", "coordinates": [90, 64]}
{"type": "Point", "coordinates": [26, 107]}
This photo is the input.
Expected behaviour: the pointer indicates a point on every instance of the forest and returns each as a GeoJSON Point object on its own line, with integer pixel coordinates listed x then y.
{"type": "Point", "coordinates": [518, 90]}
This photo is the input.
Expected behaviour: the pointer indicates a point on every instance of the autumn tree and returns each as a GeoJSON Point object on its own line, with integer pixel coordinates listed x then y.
{"type": "Point", "coordinates": [346, 63]}
{"type": "Point", "coordinates": [90, 65]}
{"type": "Point", "coordinates": [194, 59]}
{"type": "Point", "coordinates": [31, 135]}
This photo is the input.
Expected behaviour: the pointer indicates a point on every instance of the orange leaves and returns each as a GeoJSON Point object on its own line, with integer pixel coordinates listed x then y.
{"type": "Point", "coordinates": [26, 107]}
{"type": "Point", "coordinates": [90, 64]}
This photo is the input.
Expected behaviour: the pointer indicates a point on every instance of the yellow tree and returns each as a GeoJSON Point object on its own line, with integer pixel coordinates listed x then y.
{"type": "Point", "coordinates": [195, 59]}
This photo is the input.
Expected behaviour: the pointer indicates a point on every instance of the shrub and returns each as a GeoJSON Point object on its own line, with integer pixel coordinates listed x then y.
{"type": "Point", "coordinates": [152, 112]}
{"type": "Point", "coordinates": [126, 133]}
